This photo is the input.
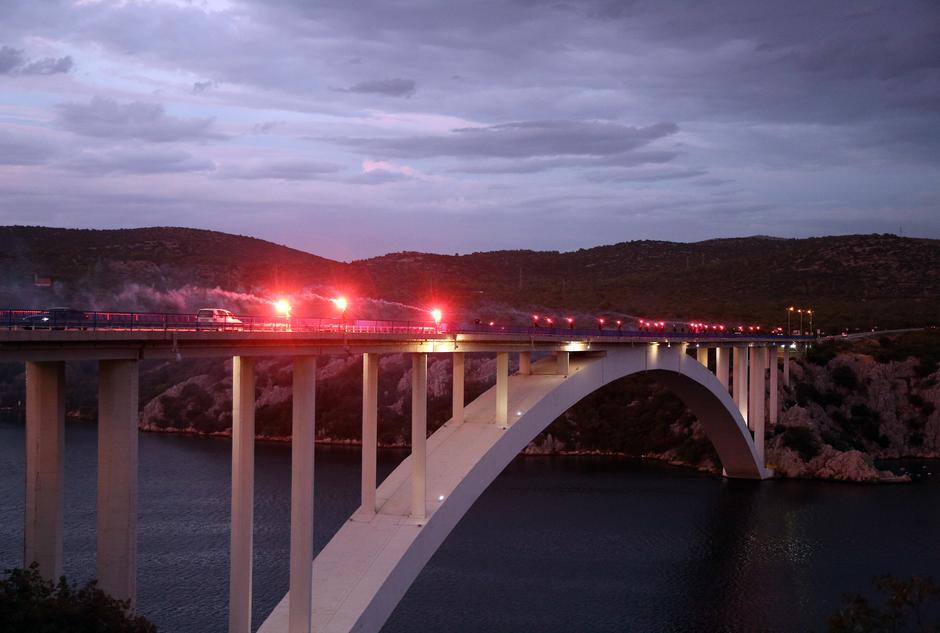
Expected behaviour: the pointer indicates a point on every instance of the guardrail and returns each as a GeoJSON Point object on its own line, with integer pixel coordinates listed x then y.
{"type": "Point", "coordinates": [160, 321]}
{"type": "Point", "coordinates": [26, 319]}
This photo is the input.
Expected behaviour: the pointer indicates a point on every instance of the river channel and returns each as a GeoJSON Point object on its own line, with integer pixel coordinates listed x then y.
{"type": "Point", "coordinates": [555, 545]}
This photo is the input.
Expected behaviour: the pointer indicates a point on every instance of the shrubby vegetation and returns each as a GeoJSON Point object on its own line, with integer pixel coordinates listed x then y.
{"type": "Point", "coordinates": [30, 604]}
{"type": "Point", "coordinates": [902, 606]}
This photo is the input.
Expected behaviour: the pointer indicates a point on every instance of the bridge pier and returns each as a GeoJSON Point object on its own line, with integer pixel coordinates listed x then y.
{"type": "Point", "coordinates": [562, 362]}
{"type": "Point", "coordinates": [243, 492]}
{"type": "Point", "coordinates": [458, 386]}
{"type": "Point", "coordinates": [45, 474]}
{"type": "Point", "coordinates": [755, 400]}
{"type": "Point", "coordinates": [502, 389]}
{"type": "Point", "coordinates": [370, 420]}
{"type": "Point", "coordinates": [739, 380]}
{"type": "Point", "coordinates": [419, 435]}
{"type": "Point", "coordinates": [303, 434]}
{"type": "Point", "coordinates": [786, 366]}
{"type": "Point", "coordinates": [117, 477]}
{"type": "Point", "coordinates": [772, 406]}
{"type": "Point", "coordinates": [701, 354]}
{"type": "Point", "coordinates": [722, 358]}
{"type": "Point", "coordinates": [525, 363]}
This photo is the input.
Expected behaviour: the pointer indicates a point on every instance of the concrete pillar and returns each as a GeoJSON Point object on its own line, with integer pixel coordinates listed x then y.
{"type": "Point", "coordinates": [370, 430]}
{"type": "Point", "coordinates": [772, 406]}
{"type": "Point", "coordinates": [525, 363]}
{"type": "Point", "coordinates": [756, 400]}
{"type": "Point", "coordinates": [45, 461]}
{"type": "Point", "coordinates": [457, 390]}
{"type": "Point", "coordinates": [562, 360]}
{"type": "Point", "coordinates": [786, 366]}
{"type": "Point", "coordinates": [502, 389]}
{"type": "Point", "coordinates": [739, 381]}
{"type": "Point", "coordinates": [701, 354]}
{"type": "Point", "coordinates": [243, 493]}
{"type": "Point", "coordinates": [419, 435]}
{"type": "Point", "coordinates": [303, 434]}
{"type": "Point", "coordinates": [722, 362]}
{"type": "Point", "coordinates": [117, 477]}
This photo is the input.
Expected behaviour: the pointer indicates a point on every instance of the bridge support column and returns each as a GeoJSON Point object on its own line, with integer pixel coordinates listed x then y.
{"type": "Point", "coordinates": [243, 492]}
{"type": "Point", "coordinates": [772, 405]}
{"type": "Point", "coordinates": [701, 354]}
{"type": "Point", "coordinates": [722, 360]}
{"type": "Point", "coordinates": [457, 391]}
{"type": "Point", "coordinates": [502, 389]}
{"type": "Point", "coordinates": [303, 434]}
{"type": "Point", "coordinates": [562, 361]}
{"type": "Point", "coordinates": [117, 477]}
{"type": "Point", "coordinates": [370, 423]}
{"type": "Point", "coordinates": [525, 363]}
{"type": "Point", "coordinates": [739, 381]}
{"type": "Point", "coordinates": [419, 435]}
{"type": "Point", "coordinates": [756, 401]}
{"type": "Point", "coordinates": [786, 366]}
{"type": "Point", "coordinates": [45, 454]}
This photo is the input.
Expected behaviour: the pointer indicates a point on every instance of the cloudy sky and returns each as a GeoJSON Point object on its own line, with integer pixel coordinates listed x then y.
{"type": "Point", "coordinates": [354, 128]}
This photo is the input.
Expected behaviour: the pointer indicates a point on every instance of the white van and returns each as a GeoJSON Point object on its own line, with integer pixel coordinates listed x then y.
{"type": "Point", "coordinates": [217, 318]}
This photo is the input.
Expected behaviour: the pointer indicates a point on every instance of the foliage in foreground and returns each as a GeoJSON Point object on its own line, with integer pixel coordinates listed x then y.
{"type": "Point", "coordinates": [31, 604]}
{"type": "Point", "coordinates": [909, 606]}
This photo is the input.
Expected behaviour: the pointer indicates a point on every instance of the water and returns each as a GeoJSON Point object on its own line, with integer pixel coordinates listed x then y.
{"type": "Point", "coordinates": [556, 544]}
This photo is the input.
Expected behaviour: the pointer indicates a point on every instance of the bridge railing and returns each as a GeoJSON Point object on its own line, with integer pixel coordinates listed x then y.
{"type": "Point", "coordinates": [23, 319]}
{"type": "Point", "coordinates": [652, 334]}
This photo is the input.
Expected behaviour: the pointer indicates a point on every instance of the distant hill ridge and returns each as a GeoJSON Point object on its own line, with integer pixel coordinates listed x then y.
{"type": "Point", "coordinates": [850, 281]}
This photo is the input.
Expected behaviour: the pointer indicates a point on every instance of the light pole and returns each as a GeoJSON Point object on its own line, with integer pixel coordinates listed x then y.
{"type": "Point", "coordinates": [789, 312]}
{"type": "Point", "coordinates": [341, 304]}
{"type": "Point", "coordinates": [801, 321]}
{"type": "Point", "coordinates": [810, 313]}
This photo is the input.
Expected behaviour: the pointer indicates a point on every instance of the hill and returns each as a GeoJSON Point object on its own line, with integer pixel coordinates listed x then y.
{"type": "Point", "coordinates": [858, 281]}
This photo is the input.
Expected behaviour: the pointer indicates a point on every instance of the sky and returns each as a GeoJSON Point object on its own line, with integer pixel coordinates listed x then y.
{"type": "Point", "coordinates": [356, 128]}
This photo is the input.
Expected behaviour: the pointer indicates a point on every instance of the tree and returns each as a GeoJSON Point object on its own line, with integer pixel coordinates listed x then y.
{"type": "Point", "coordinates": [31, 604]}
{"type": "Point", "coordinates": [910, 606]}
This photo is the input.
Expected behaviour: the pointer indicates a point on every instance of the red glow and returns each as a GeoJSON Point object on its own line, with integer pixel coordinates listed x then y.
{"type": "Point", "coordinates": [601, 321]}
{"type": "Point", "coordinates": [436, 315]}
{"type": "Point", "coordinates": [549, 320]}
{"type": "Point", "coordinates": [340, 303]}
{"type": "Point", "coordinates": [492, 323]}
{"type": "Point", "coordinates": [282, 306]}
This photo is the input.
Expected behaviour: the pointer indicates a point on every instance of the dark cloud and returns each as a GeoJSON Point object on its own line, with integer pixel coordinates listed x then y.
{"type": "Point", "coordinates": [16, 149]}
{"type": "Point", "coordinates": [280, 170]}
{"type": "Point", "coordinates": [632, 175]}
{"type": "Point", "coordinates": [266, 127]}
{"type": "Point", "coordinates": [533, 165]}
{"type": "Point", "coordinates": [136, 161]}
{"type": "Point", "coordinates": [106, 118]}
{"type": "Point", "coordinates": [388, 87]}
{"type": "Point", "coordinates": [201, 86]}
{"type": "Point", "coordinates": [525, 139]}
{"type": "Point", "coordinates": [14, 62]}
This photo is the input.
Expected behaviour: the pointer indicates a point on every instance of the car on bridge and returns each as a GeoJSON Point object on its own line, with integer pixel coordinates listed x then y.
{"type": "Point", "coordinates": [217, 319]}
{"type": "Point", "coordinates": [56, 319]}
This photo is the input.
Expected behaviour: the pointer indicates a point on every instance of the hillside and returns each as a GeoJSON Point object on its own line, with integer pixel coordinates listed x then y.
{"type": "Point", "coordinates": [860, 281]}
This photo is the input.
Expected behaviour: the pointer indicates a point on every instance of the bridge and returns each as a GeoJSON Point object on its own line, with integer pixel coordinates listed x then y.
{"type": "Point", "coordinates": [728, 380]}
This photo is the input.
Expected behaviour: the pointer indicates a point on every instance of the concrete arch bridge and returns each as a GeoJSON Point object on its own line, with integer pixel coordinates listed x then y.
{"type": "Point", "coordinates": [355, 582]}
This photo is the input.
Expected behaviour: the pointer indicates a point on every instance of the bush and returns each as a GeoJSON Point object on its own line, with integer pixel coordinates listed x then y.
{"type": "Point", "coordinates": [31, 604]}
{"type": "Point", "coordinates": [843, 376]}
{"type": "Point", "coordinates": [802, 440]}
{"type": "Point", "coordinates": [909, 605]}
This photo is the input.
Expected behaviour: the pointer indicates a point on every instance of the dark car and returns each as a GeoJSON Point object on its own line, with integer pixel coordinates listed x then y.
{"type": "Point", "coordinates": [55, 319]}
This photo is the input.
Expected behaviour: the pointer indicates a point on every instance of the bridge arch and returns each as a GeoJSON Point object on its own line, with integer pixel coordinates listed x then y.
{"type": "Point", "coordinates": [365, 570]}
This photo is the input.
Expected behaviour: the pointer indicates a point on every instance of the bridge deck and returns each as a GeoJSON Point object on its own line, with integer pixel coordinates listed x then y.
{"type": "Point", "coordinates": [19, 344]}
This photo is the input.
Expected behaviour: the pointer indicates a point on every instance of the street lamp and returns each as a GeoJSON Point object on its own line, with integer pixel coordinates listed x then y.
{"type": "Point", "coordinates": [810, 313]}
{"type": "Point", "coordinates": [341, 304]}
{"type": "Point", "coordinates": [801, 321]}
{"type": "Point", "coordinates": [789, 312]}
{"type": "Point", "coordinates": [437, 315]}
